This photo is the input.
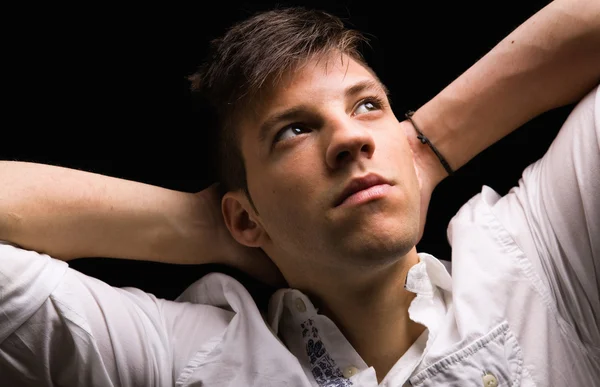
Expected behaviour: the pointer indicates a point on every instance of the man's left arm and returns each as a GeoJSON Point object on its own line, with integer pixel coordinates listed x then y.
{"type": "Point", "coordinates": [551, 60]}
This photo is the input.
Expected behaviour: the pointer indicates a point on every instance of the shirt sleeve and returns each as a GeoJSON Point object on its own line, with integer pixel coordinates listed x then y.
{"type": "Point", "coordinates": [61, 327]}
{"type": "Point", "coordinates": [559, 196]}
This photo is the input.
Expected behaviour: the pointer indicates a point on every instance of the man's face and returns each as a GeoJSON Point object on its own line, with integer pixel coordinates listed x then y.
{"type": "Point", "coordinates": [323, 126]}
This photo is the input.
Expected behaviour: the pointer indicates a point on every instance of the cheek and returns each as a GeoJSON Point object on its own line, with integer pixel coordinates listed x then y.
{"type": "Point", "coordinates": [287, 211]}
{"type": "Point", "coordinates": [299, 172]}
{"type": "Point", "coordinates": [287, 188]}
{"type": "Point", "coordinates": [394, 148]}
{"type": "Point", "coordinates": [393, 145]}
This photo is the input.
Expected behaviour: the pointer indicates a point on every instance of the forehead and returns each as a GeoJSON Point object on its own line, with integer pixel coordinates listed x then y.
{"type": "Point", "coordinates": [328, 76]}
{"type": "Point", "coordinates": [321, 80]}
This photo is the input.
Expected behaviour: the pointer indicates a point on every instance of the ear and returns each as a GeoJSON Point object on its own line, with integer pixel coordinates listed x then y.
{"type": "Point", "coordinates": [241, 221]}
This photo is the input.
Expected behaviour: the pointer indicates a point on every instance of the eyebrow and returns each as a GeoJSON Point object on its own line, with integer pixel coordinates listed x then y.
{"type": "Point", "coordinates": [295, 111]}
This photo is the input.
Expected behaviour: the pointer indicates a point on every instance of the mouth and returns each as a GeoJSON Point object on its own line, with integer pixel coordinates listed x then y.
{"type": "Point", "coordinates": [362, 189]}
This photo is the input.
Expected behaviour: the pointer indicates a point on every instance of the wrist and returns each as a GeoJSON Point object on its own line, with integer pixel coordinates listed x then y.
{"type": "Point", "coordinates": [428, 167]}
{"type": "Point", "coordinates": [190, 232]}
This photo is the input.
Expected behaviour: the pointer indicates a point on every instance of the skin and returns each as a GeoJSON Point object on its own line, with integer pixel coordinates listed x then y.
{"type": "Point", "coordinates": [351, 260]}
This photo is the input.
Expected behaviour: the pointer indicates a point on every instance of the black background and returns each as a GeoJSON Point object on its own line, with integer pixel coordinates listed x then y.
{"type": "Point", "coordinates": [96, 89]}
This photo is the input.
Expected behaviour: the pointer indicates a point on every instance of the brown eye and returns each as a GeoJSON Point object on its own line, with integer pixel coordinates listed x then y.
{"type": "Point", "coordinates": [366, 106]}
{"type": "Point", "coordinates": [290, 131]}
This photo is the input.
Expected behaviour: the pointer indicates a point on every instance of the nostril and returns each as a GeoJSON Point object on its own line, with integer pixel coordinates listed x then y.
{"type": "Point", "coordinates": [342, 155]}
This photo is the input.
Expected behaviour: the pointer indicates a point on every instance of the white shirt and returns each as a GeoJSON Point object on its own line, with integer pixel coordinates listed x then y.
{"type": "Point", "coordinates": [522, 306]}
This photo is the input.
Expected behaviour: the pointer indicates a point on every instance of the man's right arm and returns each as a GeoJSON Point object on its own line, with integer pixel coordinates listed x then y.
{"type": "Point", "coordinates": [69, 214]}
{"type": "Point", "coordinates": [59, 326]}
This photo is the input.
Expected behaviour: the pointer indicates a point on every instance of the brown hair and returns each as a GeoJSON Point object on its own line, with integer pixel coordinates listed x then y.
{"type": "Point", "coordinates": [255, 54]}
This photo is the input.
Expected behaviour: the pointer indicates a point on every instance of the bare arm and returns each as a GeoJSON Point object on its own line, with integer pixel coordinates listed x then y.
{"type": "Point", "coordinates": [68, 214]}
{"type": "Point", "coordinates": [551, 60]}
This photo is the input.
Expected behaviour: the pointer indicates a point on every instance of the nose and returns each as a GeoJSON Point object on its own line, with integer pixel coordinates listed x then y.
{"type": "Point", "coordinates": [349, 142]}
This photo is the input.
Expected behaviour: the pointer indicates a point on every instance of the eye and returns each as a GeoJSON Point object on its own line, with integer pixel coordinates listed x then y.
{"type": "Point", "coordinates": [368, 105]}
{"type": "Point", "coordinates": [289, 132]}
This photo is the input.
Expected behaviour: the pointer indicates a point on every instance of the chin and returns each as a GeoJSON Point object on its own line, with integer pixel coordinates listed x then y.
{"type": "Point", "coordinates": [379, 245]}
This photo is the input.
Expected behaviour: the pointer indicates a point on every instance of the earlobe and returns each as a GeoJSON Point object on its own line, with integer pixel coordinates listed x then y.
{"type": "Point", "coordinates": [239, 222]}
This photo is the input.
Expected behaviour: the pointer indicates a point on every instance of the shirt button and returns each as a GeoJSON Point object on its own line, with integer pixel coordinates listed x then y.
{"type": "Point", "coordinates": [300, 306]}
{"type": "Point", "coordinates": [489, 380]}
{"type": "Point", "coordinates": [350, 371]}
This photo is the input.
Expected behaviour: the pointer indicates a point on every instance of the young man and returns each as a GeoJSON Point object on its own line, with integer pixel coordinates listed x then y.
{"type": "Point", "coordinates": [322, 177]}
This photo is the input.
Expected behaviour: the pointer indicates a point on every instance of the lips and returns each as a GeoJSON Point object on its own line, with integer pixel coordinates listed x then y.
{"type": "Point", "coordinates": [359, 184]}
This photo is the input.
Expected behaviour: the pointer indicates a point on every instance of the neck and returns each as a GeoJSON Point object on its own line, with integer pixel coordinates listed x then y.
{"type": "Point", "coordinates": [371, 311]}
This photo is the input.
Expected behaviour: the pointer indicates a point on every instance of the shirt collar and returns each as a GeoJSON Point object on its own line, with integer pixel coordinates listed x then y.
{"type": "Point", "coordinates": [430, 281]}
{"type": "Point", "coordinates": [317, 342]}
{"type": "Point", "coordinates": [424, 279]}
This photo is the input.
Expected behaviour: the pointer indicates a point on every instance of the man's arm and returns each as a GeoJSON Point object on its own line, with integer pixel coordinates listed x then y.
{"type": "Point", "coordinates": [551, 60]}
{"type": "Point", "coordinates": [69, 214]}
